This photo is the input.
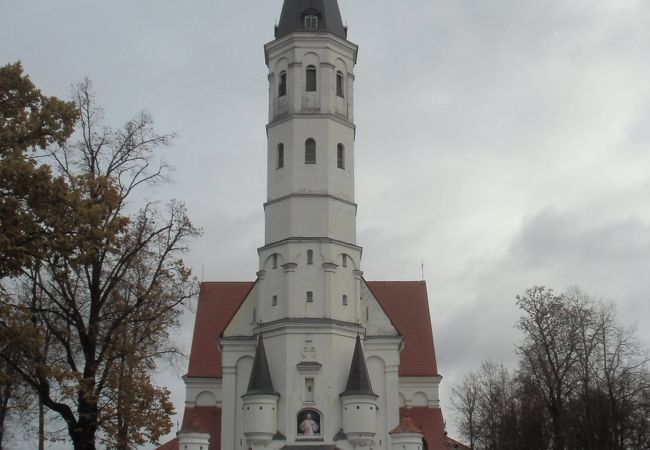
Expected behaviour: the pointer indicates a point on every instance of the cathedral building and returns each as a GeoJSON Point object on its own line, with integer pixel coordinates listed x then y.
{"type": "Point", "coordinates": [311, 355]}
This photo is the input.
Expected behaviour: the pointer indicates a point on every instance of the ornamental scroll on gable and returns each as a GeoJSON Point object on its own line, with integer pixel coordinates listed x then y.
{"type": "Point", "coordinates": [309, 349]}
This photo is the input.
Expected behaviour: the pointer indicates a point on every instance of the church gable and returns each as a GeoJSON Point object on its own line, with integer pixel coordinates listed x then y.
{"type": "Point", "coordinates": [375, 319]}
{"type": "Point", "coordinates": [407, 305]}
{"type": "Point", "coordinates": [218, 302]}
{"type": "Point", "coordinates": [246, 316]}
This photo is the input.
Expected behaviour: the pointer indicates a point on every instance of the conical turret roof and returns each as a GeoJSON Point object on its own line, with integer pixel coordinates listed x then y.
{"type": "Point", "coordinates": [293, 14]}
{"type": "Point", "coordinates": [358, 379]}
{"type": "Point", "coordinates": [260, 382]}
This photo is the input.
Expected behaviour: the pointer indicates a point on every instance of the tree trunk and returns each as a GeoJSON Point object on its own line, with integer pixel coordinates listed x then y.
{"type": "Point", "coordinates": [558, 431]}
{"type": "Point", "coordinates": [41, 425]}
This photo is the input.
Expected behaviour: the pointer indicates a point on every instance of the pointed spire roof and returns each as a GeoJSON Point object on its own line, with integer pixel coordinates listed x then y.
{"type": "Point", "coordinates": [260, 382]}
{"type": "Point", "coordinates": [293, 15]}
{"type": "Point", "coordinates": [358, 379]}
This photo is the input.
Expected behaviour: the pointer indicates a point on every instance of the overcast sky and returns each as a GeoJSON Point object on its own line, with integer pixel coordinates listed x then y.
{"type": "Point", "coordinates": [505, 143]}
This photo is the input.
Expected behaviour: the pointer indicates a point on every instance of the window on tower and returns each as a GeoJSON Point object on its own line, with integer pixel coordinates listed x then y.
{"type": "Point", "coordinates": [344, 300]}
{"type": "Point", "coordinates": [309, 389]}
{"type": "Point", "coordinates": [339, 84]}
{"type": "Point", "coordinates": [280, 156]}
{"type": "Point", "coordinates": [275, 260]}
{"type": "Point", "coordinates": [310, 151]}
{"type": "Point", "coordinates": [340, 156]}
{"type": "Point", "coordinates": [310, 74]}
{"type": "Point", "coordinates": [310, 257]}
{"type": "Point", "coordinates": [311, 22]}
{"type": "Point", "coordinates": [310, 297]}
{"type": "Point", "coordinates": [282, 87]}
{"type": "Point", "coordinates": [274, 300]}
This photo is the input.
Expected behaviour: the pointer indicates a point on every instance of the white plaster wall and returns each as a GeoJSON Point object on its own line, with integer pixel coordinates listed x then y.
{"type": "Point", "coordinates": [377, 372]}
{"type": "Point", "coordinates": [310, 216]}
{"type": "Point", "coordinates": [420, 391]}
{"type": "Point", "coordinates": [373, 316]}
{"type": "Point", "coordinates": [242, 323]}
{"type": "Point", "coordinates": [236, 360]}
{"type": "Point", "coordinates": [202, 392]}
{"type": "Point", "coordinates": [244, 366]}
{"type": "Point", "coordinates": [326, 278]}
{"type": "Point", "coordinates": [329, 54]}
{"type": "Point", "coordinates": [324, 175]}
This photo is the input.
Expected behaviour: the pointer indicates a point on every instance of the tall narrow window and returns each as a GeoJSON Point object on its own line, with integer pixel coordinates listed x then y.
{"type": "Point", "coordinates": [282, 87]}
{"type": "Point", "coordinates": [310, 257]}
{"type": "Point", "coordinates": [280, 156]}
{"type": "Point", "coordinates": [309, 389]}
{"type": "Point", "coordinates": [275, 260]}
{"type": "Point", "coordinates": [340, 156]}
{"type": "Point", "coordinates": [310, 79]}
{"type": "Point", "coordinates": [344, 300]}
{"type": "Point", "coordinates": [310, 297]}
{"type": "Point", "coordinates": [345, 261]}
{"type": "Point", "coordinates": [311, 22]}
{"type": "Point", "coordinates": [339, 84]}
{"type": "Point", "coordinates": [274, 300]}
{"type": "Point", "coordinates": [310, 151]}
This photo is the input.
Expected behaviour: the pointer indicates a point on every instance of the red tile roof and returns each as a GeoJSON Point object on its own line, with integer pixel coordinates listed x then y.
{"type": "Point", "coordinates": [204, 419]}
{"type": "Point", "coordinates": [432, 423]}
{"type": "Point", "coordinates": [406, 425]}
{"type": "Point", "coordinates": [218, 302]}
{"type": "Point", "coordinates": [405, 302]}
{"type": "Point", "coordinates": [171, 445]}
{"type": "Point", "coordinates": [407, 305]}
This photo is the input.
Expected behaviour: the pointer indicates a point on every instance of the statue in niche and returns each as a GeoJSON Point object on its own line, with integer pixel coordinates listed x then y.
{"type": "Point", "coordinates": [308, 423]}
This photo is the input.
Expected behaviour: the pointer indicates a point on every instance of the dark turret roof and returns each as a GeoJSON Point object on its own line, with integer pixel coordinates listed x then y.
{"type": "Point", "coordinates": [294, 11]}
{"type": "Point", "coordinates": [358, 379]}
{"type": "Point", "coordinates": [260, 381]}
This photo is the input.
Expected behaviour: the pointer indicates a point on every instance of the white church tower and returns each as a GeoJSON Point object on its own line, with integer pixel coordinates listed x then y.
{"type": "Point", "coordinates": [307, 303]}
{"type": "Point", "coordinates": [309, 265]}
{"type": "Point", "coordinates": [311, 356]}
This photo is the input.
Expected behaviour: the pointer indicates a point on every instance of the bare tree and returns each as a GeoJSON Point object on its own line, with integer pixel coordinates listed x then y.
{"type": "Point", "coordinates": [583, 382]}
{"type": "Point", "coordinates": [465, 399]}
{"type": "Point", "coordinates": [549, 351]}
{"type": "Point", "coordinates": [109, 287]}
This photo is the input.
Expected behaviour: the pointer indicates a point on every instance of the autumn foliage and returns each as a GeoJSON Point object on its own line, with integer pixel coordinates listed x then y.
{"type": "Point", "coordinates": [91, 283]}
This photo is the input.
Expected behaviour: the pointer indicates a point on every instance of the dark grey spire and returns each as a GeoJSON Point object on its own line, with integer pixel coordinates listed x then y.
{"type": "Point", "coordinates": [327, 12]}
{"type": "Point", "coordinates": [358, 380]}
{"type": "Point", "coordinates": [260, 381]}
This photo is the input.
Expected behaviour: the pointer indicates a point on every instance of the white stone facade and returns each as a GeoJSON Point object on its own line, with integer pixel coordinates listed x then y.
{"type": "Point", "coordinates": [310, 301]}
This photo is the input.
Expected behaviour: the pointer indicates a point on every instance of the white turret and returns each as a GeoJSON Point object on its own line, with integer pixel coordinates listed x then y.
{"type": "Point", "coordinates": [406, 436]}
{"type": "Point", "coordinates": [260, 402]}
{"type": "Point", "coordinates": [193, 436]}
{"type": "Point", "coordinates": [359, 402]}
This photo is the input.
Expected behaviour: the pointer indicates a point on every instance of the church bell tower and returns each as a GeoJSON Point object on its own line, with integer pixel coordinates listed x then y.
{"type": "Point", "coordinates": [309, 265]}
{"type": "Point", "coordinates": [310, 355]}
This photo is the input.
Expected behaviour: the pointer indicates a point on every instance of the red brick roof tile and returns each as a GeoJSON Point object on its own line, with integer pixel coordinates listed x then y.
{"type": "Point", "coordinates": [202, 419]}
{"type": "Point", "coordinates": [218, 302]}
{"type": "Point", "coordinates": [432, 423]}
{"type": "Point", "coordinates": [407, 305]}
{"type": "Point", "coordinates": [406, 425]}
{"type": "Point", "coordinates": [405, 302]}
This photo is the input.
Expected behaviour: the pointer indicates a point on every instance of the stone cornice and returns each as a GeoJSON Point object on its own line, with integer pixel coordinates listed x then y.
{"type": "Point", "coordinates": [331, 197]}
{"type": "Point", "coordinates": [307, 239]}
{"type": "Point", "coordinates": [311, 324]}
{"type": "Point", "coordinates": [286, 117]}
{"type": "Point", "coordinates": [311, 40]}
